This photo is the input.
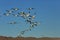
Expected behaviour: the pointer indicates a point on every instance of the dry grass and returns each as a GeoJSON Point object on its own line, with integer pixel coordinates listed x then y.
{"type": "Point", "coordinates": [27, 38]}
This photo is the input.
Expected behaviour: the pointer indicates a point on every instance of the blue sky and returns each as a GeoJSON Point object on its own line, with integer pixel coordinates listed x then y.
{"type": "Point", "coordinates": [48, 13]}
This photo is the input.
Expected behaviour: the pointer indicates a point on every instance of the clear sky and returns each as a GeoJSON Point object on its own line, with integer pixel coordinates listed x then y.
{"type": "Point", "coordinates": [48, 13]}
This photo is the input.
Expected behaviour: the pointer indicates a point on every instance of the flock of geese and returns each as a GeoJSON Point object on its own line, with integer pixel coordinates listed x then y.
{"type": "Point", "coordinates": [27, 16]}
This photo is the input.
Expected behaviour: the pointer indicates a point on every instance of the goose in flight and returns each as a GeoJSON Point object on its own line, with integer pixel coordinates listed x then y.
{"type": "Point", "coordinates": [13, 22]}
{"type": "Point", "coordinates": [15, 9]}
{"type": "Point", "coordinates": [35, 24]}
{"type": "Point", "coordinates": [23, 14]}
{"type": "Point", "coordinates": [30, 18]}
{"type": "Point", "coordinates": [16, 15]}
{"type": "Point", "coordinates": [30, 8]}
{"type": "Point", "coordinates": [6, 14]}
{"type": "Point", "coordinates": [9, 11]}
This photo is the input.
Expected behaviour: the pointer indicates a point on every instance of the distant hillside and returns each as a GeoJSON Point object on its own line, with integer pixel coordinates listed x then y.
{"type": "Point", "coordinates": [27, 38]}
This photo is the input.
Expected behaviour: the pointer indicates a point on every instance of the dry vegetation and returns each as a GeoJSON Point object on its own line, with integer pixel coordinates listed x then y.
{"type": "Point", "coordinates": [27, 38]}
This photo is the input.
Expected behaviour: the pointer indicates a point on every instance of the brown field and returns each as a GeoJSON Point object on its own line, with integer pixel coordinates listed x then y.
{"type": "Point", "coordinates": [27, 38]}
